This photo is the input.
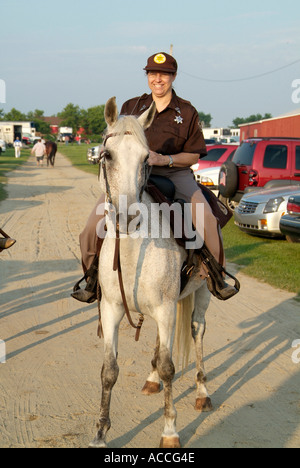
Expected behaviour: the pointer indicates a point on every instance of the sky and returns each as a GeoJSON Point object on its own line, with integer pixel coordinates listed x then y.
{"type": "Point", "coordinates": [235, 58]}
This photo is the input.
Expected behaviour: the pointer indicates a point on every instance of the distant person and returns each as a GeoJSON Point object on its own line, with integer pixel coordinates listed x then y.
{"type": "Point", "coordinates": [39, 150]}
{"type": "Point", "coordinates": [17, 146]}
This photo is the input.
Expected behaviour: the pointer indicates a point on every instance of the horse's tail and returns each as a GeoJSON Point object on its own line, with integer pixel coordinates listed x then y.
{"type": "Point", "coordinates": [183, 333]}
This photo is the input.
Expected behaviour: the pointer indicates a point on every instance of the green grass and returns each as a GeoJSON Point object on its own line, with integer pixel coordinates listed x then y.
{"type": "Point", "coordinates": [77, 155]}
{"type": "Point", "coordinates": [272, 261]}
{"type": "Point", "coordinates": [8, 163]}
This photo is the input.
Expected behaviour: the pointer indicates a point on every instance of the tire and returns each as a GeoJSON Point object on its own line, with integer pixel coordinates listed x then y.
{"type": "Point", "coordinates": [228, 180]}
{"type": "Point", "coordinates": [293, 239]}
{"type": "Point", "coordinates": [230, 204]}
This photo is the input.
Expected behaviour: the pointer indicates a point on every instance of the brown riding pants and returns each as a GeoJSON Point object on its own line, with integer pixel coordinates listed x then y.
{"type": "Point", "coordinates": [186, 189]}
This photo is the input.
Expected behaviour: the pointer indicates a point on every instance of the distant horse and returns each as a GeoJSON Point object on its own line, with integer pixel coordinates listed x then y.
{"type": "Point", "coordinates": [51, 149]}
{"type": "Point", "coordinates": [150, 270]}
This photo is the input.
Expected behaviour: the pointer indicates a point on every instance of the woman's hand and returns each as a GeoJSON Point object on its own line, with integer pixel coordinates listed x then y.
{"type": "Point", "coordinates": [156, 159]}
{"type": "Point", "coordinates": [179, 160]}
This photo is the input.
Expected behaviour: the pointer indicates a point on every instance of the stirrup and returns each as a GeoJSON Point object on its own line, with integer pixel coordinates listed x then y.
{"type": "Point", "coordinates": [215, 280]}
{"type": "Point", "coordinates": [225, 292]}
{"type": "Point", "coordinates": [89, 294]}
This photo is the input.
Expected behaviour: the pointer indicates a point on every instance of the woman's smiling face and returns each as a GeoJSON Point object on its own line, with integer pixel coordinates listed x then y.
{"type": "Point", "coordinates": [160, 83]}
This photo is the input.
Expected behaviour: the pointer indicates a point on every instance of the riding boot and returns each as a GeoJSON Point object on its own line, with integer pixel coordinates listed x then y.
{"type": "Point", "coordinates": [6, 243]}
{"type": "Point", "coordinates": [89, 294]}
{"type": "Point", "coordinates": [215, 280]}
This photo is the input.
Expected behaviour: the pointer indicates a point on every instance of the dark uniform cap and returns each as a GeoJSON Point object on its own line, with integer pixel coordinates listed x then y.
{"type": "Point", "coordinates": [161, 62]}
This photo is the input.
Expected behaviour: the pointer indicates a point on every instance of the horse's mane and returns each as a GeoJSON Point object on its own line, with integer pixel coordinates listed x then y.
{"type": "Point", "coordinates": [129, 124]}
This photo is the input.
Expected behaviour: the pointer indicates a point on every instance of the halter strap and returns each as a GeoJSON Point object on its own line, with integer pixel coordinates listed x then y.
{"type": "Point", "coordinates": [117, 260]}
{"type": "Point", "coordinates": [109, 135]}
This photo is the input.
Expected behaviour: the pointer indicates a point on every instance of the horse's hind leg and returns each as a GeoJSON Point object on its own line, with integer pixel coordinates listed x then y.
{"type": "Point", "coordinates": [111, 318]}
{"type": "Point", "coordinates": [152, 384]}
{"type": "Point", "coordinates": [202, 298]}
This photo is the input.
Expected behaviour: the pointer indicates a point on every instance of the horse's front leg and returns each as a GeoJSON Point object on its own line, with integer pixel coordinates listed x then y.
{"type": "Point", "coordinates": [152, 384]}
{"type": "Point", "coordinates": [111, 318]}
{"type": "Point", "coordinates": [166, 371]}
{"type": "Point", "coordinates": [202, 298]}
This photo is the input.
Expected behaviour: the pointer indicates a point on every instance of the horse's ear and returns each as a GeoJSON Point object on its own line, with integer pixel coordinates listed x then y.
{"type": "Point", "coordinates": [147, 117]}
{"type": "Point", "coordinates": [111, 112]}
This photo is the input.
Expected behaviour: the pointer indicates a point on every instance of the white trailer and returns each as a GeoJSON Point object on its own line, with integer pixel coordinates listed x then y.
{"type": "Point", "coordinates": [9, 131]}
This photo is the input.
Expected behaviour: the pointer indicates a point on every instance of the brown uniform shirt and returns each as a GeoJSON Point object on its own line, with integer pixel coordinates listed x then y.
{"type": "Point", "coordinates": [174, 130]}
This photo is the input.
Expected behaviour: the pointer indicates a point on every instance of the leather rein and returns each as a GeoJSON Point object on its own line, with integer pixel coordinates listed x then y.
{"type": "Point", "coordinates": [117, 260]}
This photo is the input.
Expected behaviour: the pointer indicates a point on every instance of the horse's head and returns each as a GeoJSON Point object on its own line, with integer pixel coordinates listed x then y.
{"type": "Point", "coordinates": [125, 155]}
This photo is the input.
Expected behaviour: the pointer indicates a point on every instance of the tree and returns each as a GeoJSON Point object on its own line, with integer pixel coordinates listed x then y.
{"type": "Point", "coordinates": [94, 119]}
{"type": "Point", "coordinates": [205, 119]}
{"type": "Point", "coordinates": [252, 118]}
{"type": "Point", "coordinates": [37, 118]}
{"type": "Point", "coordinates": [1, 114]}
{"type": "Point", "coordinates": [15, 115]}
{"type": "Point", "coordinates": [71, 117]}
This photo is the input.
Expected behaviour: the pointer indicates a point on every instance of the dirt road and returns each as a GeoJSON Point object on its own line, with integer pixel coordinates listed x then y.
{"type": "Point", "coordinates": [50, 383]}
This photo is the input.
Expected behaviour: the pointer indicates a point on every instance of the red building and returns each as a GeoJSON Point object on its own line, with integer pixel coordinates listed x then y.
{"type": "Point", "coordinates": [287, 125]}
{"type": "Point", "coordinates": [54, 122]}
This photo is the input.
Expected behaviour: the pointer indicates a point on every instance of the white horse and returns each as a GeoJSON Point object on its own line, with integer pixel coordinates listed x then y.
{"type": "Point", "coordinates": [151, 275]}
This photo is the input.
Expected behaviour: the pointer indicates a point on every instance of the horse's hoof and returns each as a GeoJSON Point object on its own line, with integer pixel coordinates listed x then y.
{"type": "Point", "coordinates": [170, 442]}
{"type": "Point", "coordinates": [203, 405]}
{"type": "Point", "coordinates": [150, 388]}
{"type": "Point", "coordinates": [98, 443]}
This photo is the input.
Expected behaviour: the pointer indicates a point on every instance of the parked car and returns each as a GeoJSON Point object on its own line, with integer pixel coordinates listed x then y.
{"type": "Point", "coordinates": [260, 163]}
{"type": "Point", "coordinates": [210, 178]}
{"type": "Point", "coordinates": [290, 223]}
{"type": "Point", "coordinates": [26, 141]}
{"type": "Point", "coordinates": [93, 154]}
{"type": "Point", "coordinates": [217, 155]}
{"type": "Point", "coordinates": [260, 212]}
{"type": "Point", "coordinates": [2, 146]}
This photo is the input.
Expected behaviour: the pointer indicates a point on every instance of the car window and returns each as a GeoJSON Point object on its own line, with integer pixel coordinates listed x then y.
{"type": "Point", "coordinates": [214, 154]}
{"type": "Point", "coordinates": [231, 156]}
{"type": "Point", "coordinates": [244, 154]}
{"type": "Point", "coordinates": [275, 157]}
{"type": "Point", "coordinates": [298, 158]}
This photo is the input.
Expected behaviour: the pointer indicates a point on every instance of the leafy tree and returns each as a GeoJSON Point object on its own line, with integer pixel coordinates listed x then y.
{"type": "Point", "coordinates": [205, 119]}
{"type": "Point", "coordinates": [37, 118]}
{"type": "Point", "coordinates": [1, 114]}
{"type": "Point", "coordinates": [15, 115]}
{"type": "Point", "coordinates": [71, 117]}
{"type": "Point", "coordinates": [37, 114]}
{"type": "Point", "coordinates": [94, 119]}
{"type": "Point", "coordinates": [252, 118]}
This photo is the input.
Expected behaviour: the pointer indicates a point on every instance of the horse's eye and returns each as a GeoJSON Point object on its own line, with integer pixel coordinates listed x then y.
{"type": "Point", "coordinates": [108, 156]}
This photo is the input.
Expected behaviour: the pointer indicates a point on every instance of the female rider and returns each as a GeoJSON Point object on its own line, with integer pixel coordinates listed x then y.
{"type": "Point", "coordinates": [176, 142]}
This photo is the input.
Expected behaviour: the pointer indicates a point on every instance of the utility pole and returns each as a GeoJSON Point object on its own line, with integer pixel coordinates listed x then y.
{"type": "Point", "coordinates": [171, 49]}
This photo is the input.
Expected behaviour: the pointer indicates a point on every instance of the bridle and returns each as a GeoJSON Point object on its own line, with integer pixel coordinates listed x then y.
{"type": "Point", "coordinates": [104, 154]}
{"type": "Point", "coordinates": [102, 164]}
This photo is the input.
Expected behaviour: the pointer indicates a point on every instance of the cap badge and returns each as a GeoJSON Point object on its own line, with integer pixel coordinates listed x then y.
{"type": "Point", "coordinates": [178, 119]}
{"type": "Point", "coordinates": [160, 58]}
